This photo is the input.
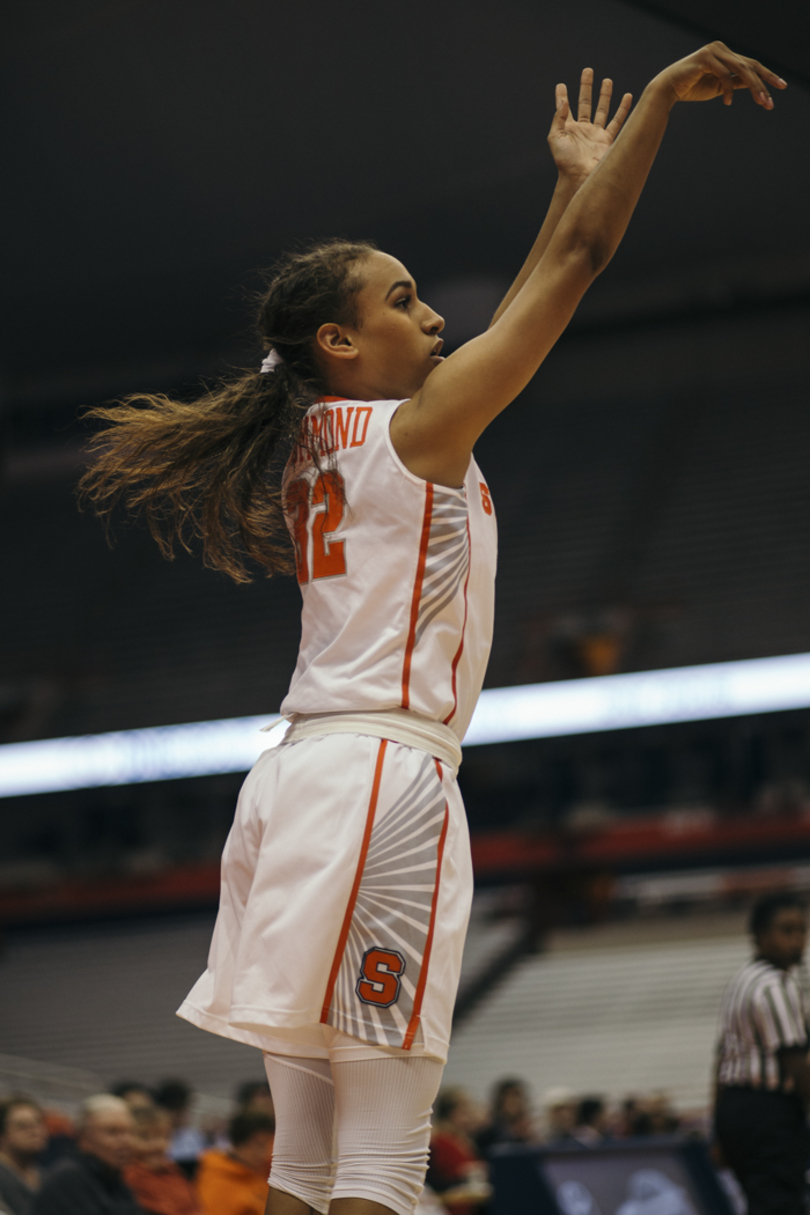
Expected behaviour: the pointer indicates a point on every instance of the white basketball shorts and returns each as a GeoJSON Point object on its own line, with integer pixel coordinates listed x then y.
{"type": "Point", "coordinates": [346, 890]}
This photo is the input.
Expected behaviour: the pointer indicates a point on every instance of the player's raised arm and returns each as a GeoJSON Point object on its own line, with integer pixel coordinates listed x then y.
{"type": "Point", "coordinates": [577, 144]}
{"type": "Point", "coordinates": [435, 431]}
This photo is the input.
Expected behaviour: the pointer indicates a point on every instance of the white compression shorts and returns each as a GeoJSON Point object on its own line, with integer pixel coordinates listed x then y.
{"type": "Point", "coordinates": [355, 1128]}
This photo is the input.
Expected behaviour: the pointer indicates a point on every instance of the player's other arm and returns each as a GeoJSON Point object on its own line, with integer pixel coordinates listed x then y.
{"type": "Point", "coordinates": [434, 433]}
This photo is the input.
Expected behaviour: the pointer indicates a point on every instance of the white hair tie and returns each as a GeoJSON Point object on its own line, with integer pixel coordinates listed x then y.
{"type": "Point", "coordinates": [271, 362]}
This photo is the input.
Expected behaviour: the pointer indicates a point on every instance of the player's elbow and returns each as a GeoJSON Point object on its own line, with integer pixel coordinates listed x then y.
{"type": "Point", "coordinates": [593, 251]}
{"type": "Point", "coordinates": [590, 243]}
{"type": "Point", "coordinates": [584, 258]}
{"type": "Point", "coordinates": [586, 246]}
{"type": "Point", "coordinates": [599, 253]}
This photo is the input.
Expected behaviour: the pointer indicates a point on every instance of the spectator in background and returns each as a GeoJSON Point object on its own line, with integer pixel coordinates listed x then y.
{"type": "Point", "coordinates": [158, 1183]}
{"type": "Point", "coordinates": [591, 1122]}
{"type": "Point", "coordinates": [136, 1095]}
{"type": "Point", "coordinates": [254, 1096]}
{"type": "Point", "coordinates": [560, 1106]}
{"type": "Point", "coordinates": [663, 1118]}
{"type": "Point", "coordinates": [174, 1096]}
{"type": "Point", "coordinates": [233, 1181]}
{"type": "Point", "coordinates": [630, 1116]}
{"type": "Point", "coordinates": [455, 1169]}
{"type": "Point", "coordinates": [22, 1139]}
{"type": "Point", "coordinates": [511, 1119]}
{"type": "Point", "coordinates": [654, 1115]}
{"type": "Point", "coordinates": [92, 1183]}
{"type": "Point", "coordinates": [61, 1138]}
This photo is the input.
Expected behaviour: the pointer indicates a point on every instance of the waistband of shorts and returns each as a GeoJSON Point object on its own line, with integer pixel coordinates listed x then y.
{"type": "Point", "coordinates": [398, 725]}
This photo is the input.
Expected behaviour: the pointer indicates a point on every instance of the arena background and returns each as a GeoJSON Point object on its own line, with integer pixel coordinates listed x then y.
{"type": "Point", "coordinates": [651, 486]}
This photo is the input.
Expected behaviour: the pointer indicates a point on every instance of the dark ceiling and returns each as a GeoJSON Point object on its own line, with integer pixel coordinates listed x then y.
{"type": "Point", "coordinates": [157, 151]}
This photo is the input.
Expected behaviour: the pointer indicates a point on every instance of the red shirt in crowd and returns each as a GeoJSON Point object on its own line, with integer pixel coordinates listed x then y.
{"type": "Point", "coordinates": [450, 1155]}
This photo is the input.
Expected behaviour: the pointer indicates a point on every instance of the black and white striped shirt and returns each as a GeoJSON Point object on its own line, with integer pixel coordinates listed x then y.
{"type": "Point", "coordinates": [762, 1013]}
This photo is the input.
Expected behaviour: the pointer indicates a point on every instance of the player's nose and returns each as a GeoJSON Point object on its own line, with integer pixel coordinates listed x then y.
{"type": "Point", "coordinates": [433, 323]}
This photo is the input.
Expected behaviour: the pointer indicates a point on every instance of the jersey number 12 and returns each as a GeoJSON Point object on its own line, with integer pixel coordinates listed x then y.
{"type": "Point", "coordinates": [317, 509]}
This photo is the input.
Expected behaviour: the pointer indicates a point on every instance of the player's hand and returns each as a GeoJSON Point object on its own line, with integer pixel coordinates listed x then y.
{"type": "Point", "coordinates": [715, 71]}
{"type": "Point", "coordinates": [578, 144]}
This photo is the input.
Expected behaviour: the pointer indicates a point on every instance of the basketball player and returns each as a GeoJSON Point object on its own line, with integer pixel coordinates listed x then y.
{"type": "Point", "coordinates": [346, 876]}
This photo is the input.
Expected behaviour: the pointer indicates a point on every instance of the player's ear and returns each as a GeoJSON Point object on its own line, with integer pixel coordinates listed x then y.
{"type": "Point", "coordinates": [334, 341]}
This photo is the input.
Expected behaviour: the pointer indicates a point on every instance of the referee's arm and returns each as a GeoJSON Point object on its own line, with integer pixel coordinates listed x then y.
{"type": "Point", "coordinates": [779, 1017]}
{"type": "Point", "coordinates": [795, 1070]}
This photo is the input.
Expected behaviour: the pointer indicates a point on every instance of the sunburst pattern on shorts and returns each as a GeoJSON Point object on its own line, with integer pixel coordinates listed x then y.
{"type": "Point", "coordinates": [393, 913]}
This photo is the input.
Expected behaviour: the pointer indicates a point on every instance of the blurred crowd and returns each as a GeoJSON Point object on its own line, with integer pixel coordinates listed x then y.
{"type": "Point", "coordinates": [465, 1133]}
{"type": "Point", "coordinates": [135, 1150]}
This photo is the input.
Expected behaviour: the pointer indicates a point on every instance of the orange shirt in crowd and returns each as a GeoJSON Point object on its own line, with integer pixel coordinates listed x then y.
{"type": "Point", "coordinates": [166, 1191]}
{"type": "Point", "coordinates": [228, 1187]}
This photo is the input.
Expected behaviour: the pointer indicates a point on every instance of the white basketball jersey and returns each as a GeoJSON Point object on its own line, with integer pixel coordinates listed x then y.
{"type": "Point", "coordinates": [398, 579]}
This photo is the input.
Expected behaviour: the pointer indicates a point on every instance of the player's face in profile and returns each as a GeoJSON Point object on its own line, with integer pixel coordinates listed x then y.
{"type": "Point", "coordinates": [398, 334]}
{"type": "Point", "coordinates": [784, 940]}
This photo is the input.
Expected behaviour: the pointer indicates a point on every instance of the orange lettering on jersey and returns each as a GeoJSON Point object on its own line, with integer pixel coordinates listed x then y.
{"type": "Point", "coordinates": [327, 434]}
{"type": "Point", "coordinates": [379, 981]}
{"type": "Point", "coordinates": [317, 435]}
{"type": "Point", "coordinates": [359, 440]}
{"type": "Point", "coordinates": [342, 426]}
{"type": "Point", "coordinates": [333, 430]}
{"type": "Point", "coordinates": [486, 497]}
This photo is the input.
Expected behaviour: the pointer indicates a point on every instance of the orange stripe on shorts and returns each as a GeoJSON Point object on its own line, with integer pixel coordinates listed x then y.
{"type": "Point", "coordinates": [347, 919]}
{"type": "Point", "coordinates": [410, 1032]}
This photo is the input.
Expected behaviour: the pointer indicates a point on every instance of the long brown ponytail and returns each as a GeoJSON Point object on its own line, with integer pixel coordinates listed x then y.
{"type": "Point", "coordinates": [210, 469]}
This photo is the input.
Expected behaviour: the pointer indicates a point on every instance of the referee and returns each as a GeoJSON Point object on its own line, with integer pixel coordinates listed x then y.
{"type": "Point", "coordinates": [763, 1075]}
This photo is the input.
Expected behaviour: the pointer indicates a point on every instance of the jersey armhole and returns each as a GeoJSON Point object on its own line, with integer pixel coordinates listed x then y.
{"type": "Point", "coordinates": [453, 489]}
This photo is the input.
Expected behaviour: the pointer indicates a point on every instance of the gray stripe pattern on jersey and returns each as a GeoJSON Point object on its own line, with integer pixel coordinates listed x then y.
{"type": "Point", "coordinates": [762, 1013]}
{"type": "Point", "coordinates": [393, 907]}
{"type": "Point", "coordinates": [448, 555]}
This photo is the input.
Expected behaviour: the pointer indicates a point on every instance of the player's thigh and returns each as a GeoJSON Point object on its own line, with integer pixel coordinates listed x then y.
{"type": "Point", "coordinates": [384, 1105]}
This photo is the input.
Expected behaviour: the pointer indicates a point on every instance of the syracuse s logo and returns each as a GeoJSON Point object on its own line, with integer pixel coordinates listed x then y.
{"type": "Point", "coordinates": [379, 980]}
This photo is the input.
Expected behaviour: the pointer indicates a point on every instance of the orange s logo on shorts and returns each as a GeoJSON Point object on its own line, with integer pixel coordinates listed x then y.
{"type": "Point", "coordinates": [379, 980]}
{"type": "Point", "coordinates": [486, 497]}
